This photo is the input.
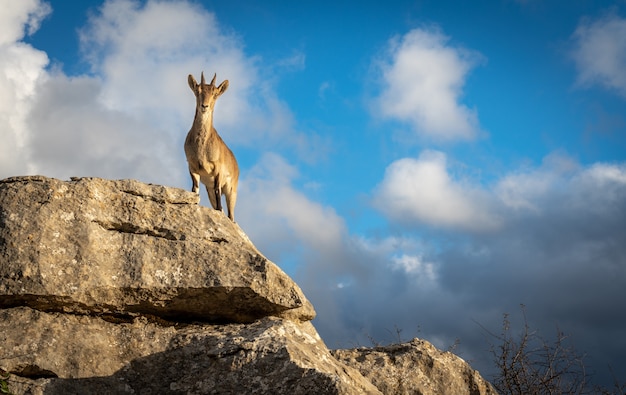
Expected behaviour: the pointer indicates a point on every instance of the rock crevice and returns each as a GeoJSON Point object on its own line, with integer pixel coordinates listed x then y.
{"type": "Point", "coordinates": [127, 227]}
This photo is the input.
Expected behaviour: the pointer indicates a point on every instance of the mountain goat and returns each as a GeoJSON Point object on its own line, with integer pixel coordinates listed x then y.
{"type": "Point", "coordinates": [208, 157]}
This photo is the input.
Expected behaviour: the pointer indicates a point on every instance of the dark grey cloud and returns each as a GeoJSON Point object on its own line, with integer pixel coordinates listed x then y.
{"type": "Point", "coordinates": [562, 254]}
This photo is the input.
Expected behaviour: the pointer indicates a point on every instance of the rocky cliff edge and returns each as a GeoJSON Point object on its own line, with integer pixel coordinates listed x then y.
{"type": "Point", "coordinates": [124, 287]}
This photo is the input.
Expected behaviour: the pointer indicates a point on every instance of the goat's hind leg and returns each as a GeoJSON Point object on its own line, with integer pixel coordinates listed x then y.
{"type": "Point", "coordinates": [218, 193]}
{"type": "Point", "coordinates": [211, 192]}
{"type": "Point", "coordinates": [231, 200]}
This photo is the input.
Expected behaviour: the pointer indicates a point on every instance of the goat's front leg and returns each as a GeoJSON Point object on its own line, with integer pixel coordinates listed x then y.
{"type": "Point", "coordinates": [195, 180]}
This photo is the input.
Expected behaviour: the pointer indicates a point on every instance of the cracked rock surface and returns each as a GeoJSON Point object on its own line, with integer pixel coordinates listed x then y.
{"type": "Point", "coordinates": [122, 248]}
{"type": "Point", "coordinates": [92, 356]}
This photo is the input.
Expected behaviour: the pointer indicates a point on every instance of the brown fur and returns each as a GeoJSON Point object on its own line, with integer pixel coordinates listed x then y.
{"type": "Point", "coordinates": [210, 160]}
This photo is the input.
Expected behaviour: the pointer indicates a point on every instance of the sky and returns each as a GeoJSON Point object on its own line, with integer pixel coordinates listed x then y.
{"type": "Point", "coordinates": [416, 166]}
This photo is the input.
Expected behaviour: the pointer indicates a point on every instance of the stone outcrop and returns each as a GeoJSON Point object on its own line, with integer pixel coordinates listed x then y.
{"type": "Point", "coordinates": [70, 354]}
{"type": "Point", "coordinates": [95, 246]}
{"type": "Point", "coordinates": [416, 367]}
{"type": "Point", "coordinates": [121, 287]}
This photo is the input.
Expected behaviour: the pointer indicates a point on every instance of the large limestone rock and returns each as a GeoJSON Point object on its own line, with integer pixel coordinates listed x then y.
{"type": "Point", "coordinates": [98, 246]}
{"type": "Point", "coordinates": [119, 287]}
{"type": "Point", "coordinates": [416, 367]}
{"type": "Point", "coordinates": [69, 354]}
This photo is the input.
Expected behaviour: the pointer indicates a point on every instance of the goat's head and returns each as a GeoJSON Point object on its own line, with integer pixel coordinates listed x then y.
{"type": "Point", "coordinates": [206, 94]}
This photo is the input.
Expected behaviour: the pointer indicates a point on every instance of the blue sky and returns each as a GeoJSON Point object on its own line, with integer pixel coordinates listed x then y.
{"type": "Point", "coordinates": [411, 164]}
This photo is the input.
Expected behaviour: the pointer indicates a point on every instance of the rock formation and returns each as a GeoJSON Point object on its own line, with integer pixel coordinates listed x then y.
{"type": "Point", "coordinates": [121, 287]}
{"type": "Point", "coordinates": [416, 367]}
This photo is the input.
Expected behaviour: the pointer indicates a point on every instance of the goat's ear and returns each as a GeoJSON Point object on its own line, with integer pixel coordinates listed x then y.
{"type": "Point", "coordinates": [223, 86]}
{"type": "Point", "coordinates": [193, 84]}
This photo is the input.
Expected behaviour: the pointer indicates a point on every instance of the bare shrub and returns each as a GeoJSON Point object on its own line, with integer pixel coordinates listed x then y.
{"type": "Point", "coordinates": [527, 364]}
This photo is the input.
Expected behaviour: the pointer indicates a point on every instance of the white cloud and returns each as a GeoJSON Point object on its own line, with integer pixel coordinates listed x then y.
{"type": "Point", "coordinates": [421, 190]}
{"type": "Point", "coordinates": [129, 117]}
{"type": "Point", "coordinates": [600, 52]}
{"type": "Point", "coordinates": [19, 17]}
{"type": "Point", "coordinates": [525, 189]}
{"type": "Point", "coordinates": [145, 52]}
{"type": "Point", "coordinates": [74, 135]}
{"type": "Point", "coordinates": [274, 212]}
{"type": "Point", "coordinates": [561, 185]}
{"type": "Point", "coordinates": [21, 69]}
{"type": "Point", "coordinates": [604, 175]}
{"type": "Point", "coordinates": [423, 80]}
{"type": "Point", "coordinates": [416, 266]}
{"type": "Point", "coordinates": [599, 189]}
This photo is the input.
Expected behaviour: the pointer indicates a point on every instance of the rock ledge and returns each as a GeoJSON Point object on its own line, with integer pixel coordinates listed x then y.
{"type": "Point", "coordinates": [95, 246]}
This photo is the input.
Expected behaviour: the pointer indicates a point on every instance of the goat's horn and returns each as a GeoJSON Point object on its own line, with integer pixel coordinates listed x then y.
{"type": "Point", "coordinates": [202, 81]}
{"type": "Point", "coordinates": [213, 80]}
